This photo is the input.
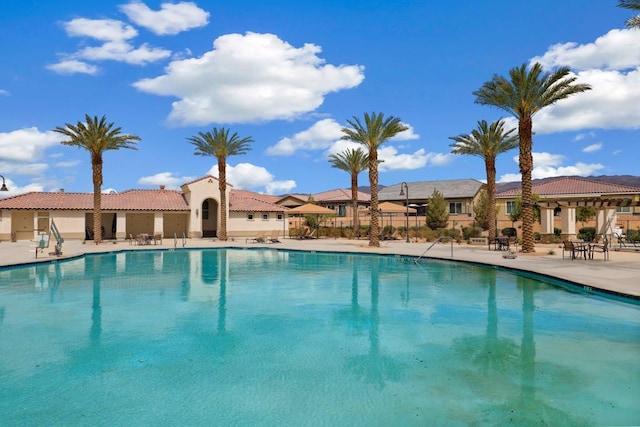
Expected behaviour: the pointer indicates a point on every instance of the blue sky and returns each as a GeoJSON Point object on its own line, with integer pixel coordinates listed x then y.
{"type": "Point", "coordinates": [289, 73]}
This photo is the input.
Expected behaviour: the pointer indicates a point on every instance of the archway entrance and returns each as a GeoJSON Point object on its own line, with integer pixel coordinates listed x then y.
{"type": "Point", "coordinates": [209, 215]}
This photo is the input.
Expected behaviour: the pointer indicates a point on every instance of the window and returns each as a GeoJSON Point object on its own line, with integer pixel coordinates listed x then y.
{"type": "Point", "coordinates": [250, 216]}
{"type": "Point", "coordinates": [279, 217]}
{"type": "Point", "coordinates": [342, 210]}
{"type": "Point", "coordinates": [557, 211]}
{"type": "Point", "coordinates": [455, 207]}
{"type": "Point", "coordinates": [265, 217]}
{"type": "Point", "coordinates": [624, 209]}
{"type": "Point", "coordinates": [511, 207]}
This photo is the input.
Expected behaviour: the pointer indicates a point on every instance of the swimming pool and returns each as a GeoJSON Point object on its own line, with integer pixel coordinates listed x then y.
{"type": "Point", "coordinates": [269, 337]}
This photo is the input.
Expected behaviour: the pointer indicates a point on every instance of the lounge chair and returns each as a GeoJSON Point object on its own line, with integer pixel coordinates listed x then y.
{"type": "Point", "coordinates": [309, 234]}
{"type": "Point", "coordinates": [157, 239]}
{"type": "Point", "coordinates": [258, 239]}
{"type": "Point", "coordinates": [603, 248]}
{"type": "Point", "coordinates": [274, 237]}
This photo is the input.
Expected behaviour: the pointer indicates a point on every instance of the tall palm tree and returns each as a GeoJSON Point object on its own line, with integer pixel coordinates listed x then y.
{"type": "Point", "coordinates": [372, 134]}
{"type": "Point", "coordinates": [487, 141]}
{"type": "Point", "coordinates": [526, 92]}
{"type": "Point", "coordinates": [634, 21]}
{"type": "Point", "coordinates": [96, 136]}
{"type": "Point", "coordinates": [221, 144]}
{"type": "Point", "coordinates": [353, 161]}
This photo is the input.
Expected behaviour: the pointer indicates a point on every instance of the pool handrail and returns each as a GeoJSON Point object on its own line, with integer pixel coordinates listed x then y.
{"type": "Point", "coordinates": [433, 244]}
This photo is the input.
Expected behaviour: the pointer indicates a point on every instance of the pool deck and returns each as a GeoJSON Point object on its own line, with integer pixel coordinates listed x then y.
{"type": "Point", "coordinates": [620, 275]}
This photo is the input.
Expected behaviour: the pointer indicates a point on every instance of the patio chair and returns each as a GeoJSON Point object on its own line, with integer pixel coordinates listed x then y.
{"type": "Point", "coordinates": [603, 248]}
{"type": "Point", "coordinates": [574, 249]}
{"type": "Point", "coordinates": [157, 239]}
{"type": "Point", "coordinates": [274, 237]}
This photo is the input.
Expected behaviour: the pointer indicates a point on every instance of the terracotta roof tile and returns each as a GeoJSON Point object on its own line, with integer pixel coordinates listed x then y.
{"type": "Point", "coordinates": [573, 186]}
{"type": "Point", "coordinates": [340, 195]}
{"type": "Point", "coordinates": [146, 200]}
{"type": "Point", "coordinates": [246, 201]}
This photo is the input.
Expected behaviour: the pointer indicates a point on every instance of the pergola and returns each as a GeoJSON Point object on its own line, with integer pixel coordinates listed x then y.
{"type": "Point", "coordinates": [605, 213]}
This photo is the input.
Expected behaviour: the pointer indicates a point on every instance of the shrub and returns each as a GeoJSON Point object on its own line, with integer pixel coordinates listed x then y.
{"type": "Point", "coordinates": [469, 232]}
{"type": "Point", "coordinates": [588, 234]}
{"type": "Point", "coordinates": [633, 235]}
{"type": "Point", "coordinates": [509, 232]}
{"type": "Point", "coordinates": [557, 232]}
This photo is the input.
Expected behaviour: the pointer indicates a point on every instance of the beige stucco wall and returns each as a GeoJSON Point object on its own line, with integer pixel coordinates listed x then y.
{"type": "Point", "coordinates": [241, 227]}
{"type": "Point", "coordinates": [70, 224]}
{"type": "Point", "coordinates": [197, 192]}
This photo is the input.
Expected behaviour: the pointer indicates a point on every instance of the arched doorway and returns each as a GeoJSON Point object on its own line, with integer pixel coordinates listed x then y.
{"type": "Point", "coordinates": [209, 218]}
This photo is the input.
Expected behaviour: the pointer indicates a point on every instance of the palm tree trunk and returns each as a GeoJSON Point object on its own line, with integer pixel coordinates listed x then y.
{"type": "Point", "coordinates": [354, 202]}
{"type": "Point", "coordinates": [490, 165]}
{"type": "Point", "coordinates": [96, 163]}
{"type": "Point", "coordinates": [222, 185]}
{"type": "Point", "coordinates": [526, 167]}
{"type": "Point", "coordinates": [374, 230]}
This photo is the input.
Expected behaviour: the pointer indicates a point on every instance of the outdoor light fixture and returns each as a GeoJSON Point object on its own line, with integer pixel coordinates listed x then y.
{"type": "Point", "coordinates": [404, 187]}
{"type": "Point", "coordinates": [197, 212]}
{"type": "Point", "coordinates": [4, 186]}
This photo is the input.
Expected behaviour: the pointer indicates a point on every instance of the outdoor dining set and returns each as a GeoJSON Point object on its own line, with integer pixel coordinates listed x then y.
{"type": "Point", "coordinates": [585, 250]}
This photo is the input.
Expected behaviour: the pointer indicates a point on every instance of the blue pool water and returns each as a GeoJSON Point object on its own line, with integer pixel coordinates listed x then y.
{"type": "Point", "coordinates": [276, 338]}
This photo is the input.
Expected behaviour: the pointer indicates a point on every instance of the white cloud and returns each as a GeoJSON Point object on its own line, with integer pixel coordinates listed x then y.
{"type": "Point", "coordinates": [591, 148]}
{"type": "Point", "coordinates": [581, 136]}
{"type": "Point", "coordinates": [325, 134]}
{"type": "Point", "coordinates": [406, 135]}
{"type": "Point", "coordinates": [394, 161]}
{"type": "Point", "coordinates": [320, 135]}
{"type": "Point", "coordinates": [280, 187]}
{"type": "Point", "coordinates": [168, 179]}
{"type": "Point", "coordinates": [172, 18]}
{"type": "Point", "coordinates": [4, 92]}
{"type": "Point", "coordinates": [14, 190]}
{"type": "Point", "coordinates": [613, 71]}
{"type": "Point", "coordinates": [26, 145]}
{"type": "Point", "coordinates": [548, 165]}
{"type": "Point", "coordinates": [114, 35]}
{"type": "Point", "coordinates": [100, 29]}
{"type": "Point", "coordinates": [250, 78]}
{"type": "Point", "coordinates": [246, 175]}
{"type": "Point", "coordinates": [73, 66]}
{"type": "Point", "coordinates": [68, 164]}
{"type": "Point", "coordinates": [609, 52]}
{"type": "Point", "coordinates": [610, 104]}
{"type": "Point", "coordinates": [122, 51]}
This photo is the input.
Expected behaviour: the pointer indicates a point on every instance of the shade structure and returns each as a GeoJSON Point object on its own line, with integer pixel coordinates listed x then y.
{"type": "Point", "coordinates": [388, 207]}
{"type": "Point", "coordinates": [311, 209]}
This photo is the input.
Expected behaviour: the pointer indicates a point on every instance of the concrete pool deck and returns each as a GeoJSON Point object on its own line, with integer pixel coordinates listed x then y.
{"type": "Point", "coordinates": [619, 275]}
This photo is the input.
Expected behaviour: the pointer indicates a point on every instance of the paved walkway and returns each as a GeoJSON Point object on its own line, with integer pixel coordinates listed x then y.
{"type": "Point", "coordinates": [621, 274]}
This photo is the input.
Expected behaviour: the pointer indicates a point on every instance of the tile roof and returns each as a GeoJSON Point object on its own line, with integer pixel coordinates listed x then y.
{"type": "Point", "coordinates": [247, 201]}
{"type": "Point", "coordinates": [573, 186]}
{"type": "Point", "coordinates": [144, 200]}
{"type": "Point", "coordinates": [340, 195]}
{"type": "Point", "coordinates": [450, 189]}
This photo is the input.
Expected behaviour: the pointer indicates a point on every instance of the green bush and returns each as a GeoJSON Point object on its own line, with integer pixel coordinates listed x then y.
{"type": "Point", "coordinates": [588, 234]}
{"type": "Point", "coordinates": [557, 232]}
{"type": "Point", "coordinates": [469, 232]}
{"type": "Point", "coordinates": [509, 232]}
{"type": "Point", "coordinates": [633, 235]}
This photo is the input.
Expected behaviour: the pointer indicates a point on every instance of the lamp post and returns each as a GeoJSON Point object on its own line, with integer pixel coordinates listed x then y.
{"type": "Point", "coordinates": [4, 186]}
{"type": "Point", "coordinates": [404, 187]}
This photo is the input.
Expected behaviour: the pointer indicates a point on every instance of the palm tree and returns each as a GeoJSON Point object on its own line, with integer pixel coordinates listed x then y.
{"type": "Point", "coordinates": [353, 161]}
{"type": "Point", "coordinates": [526, 93]}
{"type": "Point", "coordinates": [220, 144]}
{"type": "Point", "coordinates": [96, 136]}
{"type": "Point", "coordinates": [375, 131]}
{"type": "Point", "coordinates": [487, 141]}
{"type": "Point", "coordinates": [634, 21]}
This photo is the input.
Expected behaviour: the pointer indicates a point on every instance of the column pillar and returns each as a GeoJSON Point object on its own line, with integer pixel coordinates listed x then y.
{"type": "Point", "coordinates": [568, 221]}
{"type": "Point", "coordinates": [121, 225]}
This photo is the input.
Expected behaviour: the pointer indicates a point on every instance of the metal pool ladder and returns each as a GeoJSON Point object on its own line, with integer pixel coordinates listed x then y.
{"type": "Point", "coordinates": [433, 244]}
